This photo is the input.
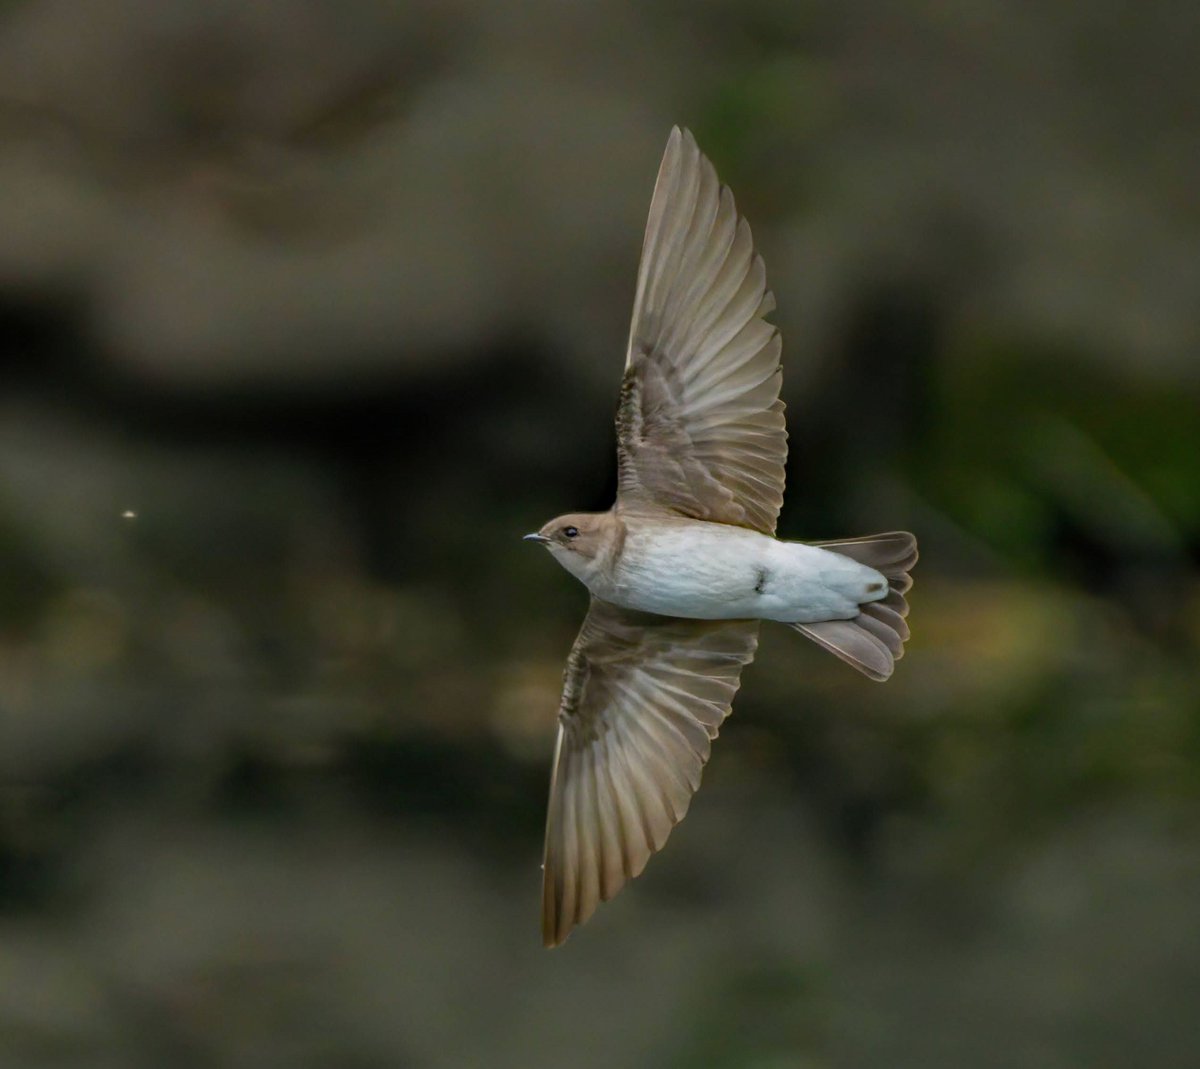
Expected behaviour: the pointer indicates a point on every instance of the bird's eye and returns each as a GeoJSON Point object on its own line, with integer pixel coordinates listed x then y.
{"type": "Point", "coordinates": [570, 532]}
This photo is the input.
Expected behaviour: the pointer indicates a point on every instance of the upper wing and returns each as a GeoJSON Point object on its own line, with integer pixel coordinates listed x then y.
{"type": "Point", "coordinates": [642, 698]}
{"type": "Point", "coordinates": [700, 427]}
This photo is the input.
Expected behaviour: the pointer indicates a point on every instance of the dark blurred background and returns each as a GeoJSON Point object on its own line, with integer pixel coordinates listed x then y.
{"type": "Point", "coordinates": [308, 310]}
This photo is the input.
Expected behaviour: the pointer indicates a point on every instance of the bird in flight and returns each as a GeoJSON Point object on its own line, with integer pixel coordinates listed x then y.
{"type": "Point", "coordinates": [685, 564]}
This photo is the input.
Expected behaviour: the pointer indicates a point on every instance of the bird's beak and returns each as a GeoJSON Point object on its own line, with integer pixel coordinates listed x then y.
{"type": "Point", "coordinates": [536, 537]}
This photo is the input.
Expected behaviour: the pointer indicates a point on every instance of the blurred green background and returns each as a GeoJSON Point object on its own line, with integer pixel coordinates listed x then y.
{"type": "Point", "coordinates": [333, 298]}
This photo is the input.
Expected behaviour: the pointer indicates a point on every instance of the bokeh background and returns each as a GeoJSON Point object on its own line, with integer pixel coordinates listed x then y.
{"type": "Point", "coordinates": [332, 298]}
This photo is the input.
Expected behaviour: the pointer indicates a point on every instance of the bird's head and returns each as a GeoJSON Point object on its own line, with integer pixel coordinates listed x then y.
{"type": "Point", "coordinates": [577, 540]}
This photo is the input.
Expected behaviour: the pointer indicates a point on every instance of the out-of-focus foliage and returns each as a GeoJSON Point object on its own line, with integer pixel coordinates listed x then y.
{"type": "Point", "coordinates": [309, 310]}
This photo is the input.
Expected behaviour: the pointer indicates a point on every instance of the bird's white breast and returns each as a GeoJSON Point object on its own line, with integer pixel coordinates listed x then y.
{"type": "Point", "coordinates": [712, 571]}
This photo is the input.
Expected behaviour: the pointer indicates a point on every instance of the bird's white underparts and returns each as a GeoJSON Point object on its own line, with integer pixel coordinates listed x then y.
{"type": "Point", "coordinates": [686, 563]}
{"type": "Point", "coordinates": [700, 570]}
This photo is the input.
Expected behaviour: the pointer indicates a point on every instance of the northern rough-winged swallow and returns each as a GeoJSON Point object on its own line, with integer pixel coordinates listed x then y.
{"type": "Point", "coordinates": [685, 564]}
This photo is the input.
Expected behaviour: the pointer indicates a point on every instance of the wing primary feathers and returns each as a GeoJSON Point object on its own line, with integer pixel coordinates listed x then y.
{"type": "Point", "coordinates": [642, 698]}
{"type": "Point", "coordinates": [702, 362]}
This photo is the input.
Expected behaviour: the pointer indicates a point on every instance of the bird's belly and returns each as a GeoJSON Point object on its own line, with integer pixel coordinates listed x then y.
{"type": "Point", "coordinates": [713, 572]}
{"type": "Point", "coordinates": [702, 593]}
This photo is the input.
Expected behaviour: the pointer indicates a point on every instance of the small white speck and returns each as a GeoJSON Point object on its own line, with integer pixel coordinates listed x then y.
{"type": "Point", "coordinates": [129, 514]}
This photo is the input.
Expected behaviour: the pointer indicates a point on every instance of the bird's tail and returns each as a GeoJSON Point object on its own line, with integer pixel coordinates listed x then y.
{"type": "Point", "coordinates": [874, 640]}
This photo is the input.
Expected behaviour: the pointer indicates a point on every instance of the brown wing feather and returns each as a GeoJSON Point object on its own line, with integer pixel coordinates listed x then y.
{"type": "Point", "coordinates": [643, 696]}
{"type": "Point", "coordinates": [700, 426]}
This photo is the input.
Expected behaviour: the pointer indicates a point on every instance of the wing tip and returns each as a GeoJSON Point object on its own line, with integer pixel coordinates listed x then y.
{"type": "Point", "coordinates": [552, 939]}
